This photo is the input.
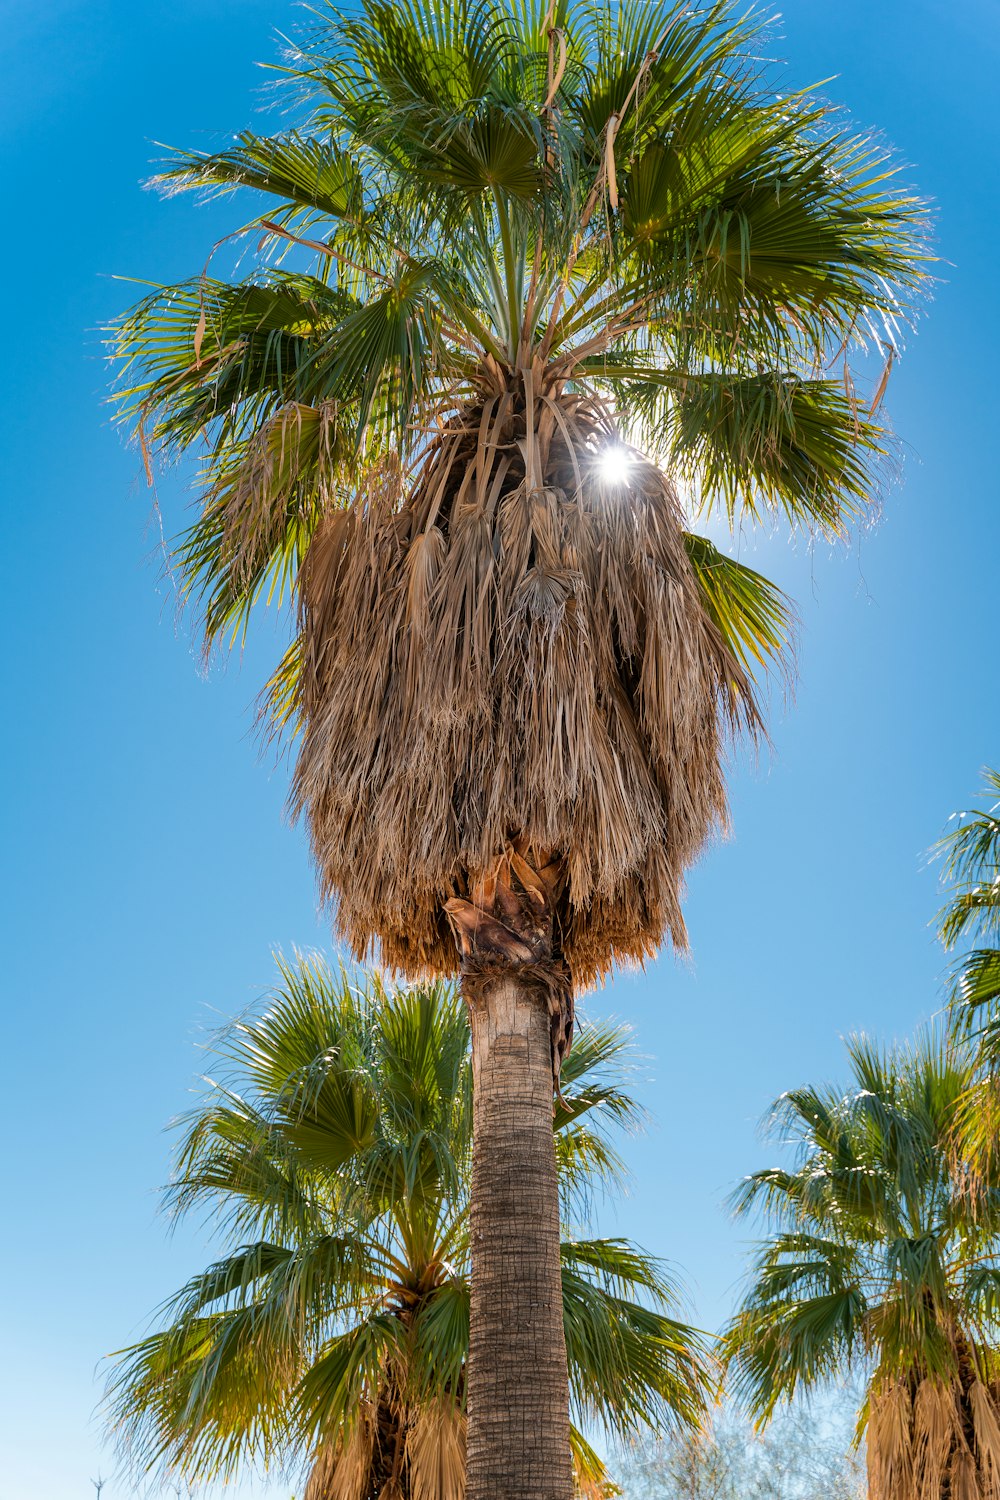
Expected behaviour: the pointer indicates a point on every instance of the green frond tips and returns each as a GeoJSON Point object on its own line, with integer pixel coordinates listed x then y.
{"type": "Point", "coordinates": [335, 1159]}
{"type": "Point", "coordinates": [975, 998]}
{"type": "Point", "coordinates": [491, 246]}
{"type": "Point", "coordinates": [754, 618]}
{"type": "Point", "coordinates": [307, 173]}
{"type": "Point", "coordinates": [970, 855]}
{"type": "Point", "coordinates": [970, 874]}
{"type": "Point", "coordinates": [880, 1259]}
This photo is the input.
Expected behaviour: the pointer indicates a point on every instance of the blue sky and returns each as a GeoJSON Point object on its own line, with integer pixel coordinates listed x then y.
{"type": "Point", "coordinates": [149, 869]}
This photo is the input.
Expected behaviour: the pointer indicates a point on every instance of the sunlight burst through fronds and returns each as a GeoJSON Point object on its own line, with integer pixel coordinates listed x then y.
{"type": "Point", "coordinates": [615, 466]}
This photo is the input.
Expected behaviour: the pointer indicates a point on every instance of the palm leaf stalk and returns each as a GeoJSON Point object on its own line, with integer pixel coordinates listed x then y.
{"type": "Point", "coordinates": [879, 1262]}
{"type": "Point", "coordinates": [536, 275]}
{"type": "Point", "coordinates": [335, 1159]}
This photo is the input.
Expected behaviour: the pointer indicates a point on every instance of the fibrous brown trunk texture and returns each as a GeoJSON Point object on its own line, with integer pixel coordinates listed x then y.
{"type": "Point", "coordinates": [517, 1392]}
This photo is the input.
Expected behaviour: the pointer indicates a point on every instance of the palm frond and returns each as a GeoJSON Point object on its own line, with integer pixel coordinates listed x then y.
{"type": "Point", "coordinates": [629, 1362]}
{"type": "Point", "coordinates": [313, 175]}
{"type": "Point", "coordinates": [970, 855]}
{"type": "Point", "coordinates": [753, 617]}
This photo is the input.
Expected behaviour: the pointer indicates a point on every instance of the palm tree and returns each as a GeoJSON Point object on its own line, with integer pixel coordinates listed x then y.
{"type": "Point", "coordinates": [536, 275]}
{"type": "Point", "coordinates": [880, 1261]}
{"type": "Point", "coordinates": [336, 1160]}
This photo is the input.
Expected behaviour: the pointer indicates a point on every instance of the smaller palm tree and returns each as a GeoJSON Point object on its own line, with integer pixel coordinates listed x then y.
{"type": "Point", "coordinates": [881, 1262]}
{"type": "Point", "coordinates": [336, 1161]}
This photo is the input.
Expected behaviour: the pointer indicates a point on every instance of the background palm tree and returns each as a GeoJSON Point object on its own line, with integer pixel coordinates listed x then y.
{"type": "Point", "coordinates": [882, 1262]}
{"type": "Point", "coordinates": [549, 268]}
{"type": "Point", "coordinates": [336, 1157]}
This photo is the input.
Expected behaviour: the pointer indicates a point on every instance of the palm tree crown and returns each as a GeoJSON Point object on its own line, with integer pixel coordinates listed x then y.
{"type": "Point", "coordinates": [521, 240]}
{"type": "Point", "coordinates": [336, 1160]}
{"type": "Point", "coordinates": [882, 1260]}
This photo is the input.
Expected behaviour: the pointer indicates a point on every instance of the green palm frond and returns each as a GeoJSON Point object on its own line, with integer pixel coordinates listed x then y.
{"type": "Point", "coordinates": [305, 173]}
{"type": "Point", "coordinates": [345, 1374]}
{"type": "Point", "coordinates": [629, 1362]}
{"type": "Point", "coordinates": [210, 354]}
{"type": "Point", "coordinates": [754, 618]}
{"type": "Point", "coordinates": [970, 855]}
{"type": "Point", "coordinates": [975, 997]}
{"type": "Point", "coordinates": [793, 1344]}
{"type": "Point", "coordinates": [441, 1338]}
{"type": "Point", "coordinates": [199, 1397]}
{"type": "Point", "coordinates": [776, 444]}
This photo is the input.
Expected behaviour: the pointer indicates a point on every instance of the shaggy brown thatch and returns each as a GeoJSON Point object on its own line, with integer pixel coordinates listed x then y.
{"type": "Point", "coordinates": [934, 1441]}
{"type": "Point", "coordinates": [507, 651]}
{"type": "Point", "coordinates": [423, 1459]}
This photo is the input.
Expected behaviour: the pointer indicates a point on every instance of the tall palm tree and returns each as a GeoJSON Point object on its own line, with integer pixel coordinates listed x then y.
{"type": "Point", "coordinates": [880, 1261]}
{"type": "Point", "coordinates": [336, 1160]}
{"type": "Point", "coordinates": [545, 276]}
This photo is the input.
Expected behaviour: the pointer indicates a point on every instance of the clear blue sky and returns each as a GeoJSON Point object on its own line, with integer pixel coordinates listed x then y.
{"type": "Point", "coordinates": [148, 868]}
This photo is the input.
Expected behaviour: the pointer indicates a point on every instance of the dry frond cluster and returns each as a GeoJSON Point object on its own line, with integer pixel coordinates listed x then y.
{"type": "Point", "coordinates": [513, 650]}
{"type": "Point", "coordinates": [931, 1439]}
{"type": "Point", "coordinates": [393, 1459]}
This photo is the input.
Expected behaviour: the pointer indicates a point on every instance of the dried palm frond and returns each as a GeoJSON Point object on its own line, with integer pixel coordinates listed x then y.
{"type": "Point", "coordinates": [513, 651]}
{"type": "Point", "coordinates": [941, 1440]}
{"type": "Point", "coordinates": [342, 1470]}
{"type": "Point", "coordinates": [985, 1410]}
{"type": "Point", "coordinates": [435, 1451]}
{"type": "Point", "coordinates": [392, 1490]}
{"type": "Point", "coordinates": [890, 1452]}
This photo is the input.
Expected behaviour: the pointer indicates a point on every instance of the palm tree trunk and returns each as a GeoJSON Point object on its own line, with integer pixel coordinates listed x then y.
{"type": "Point", "coordinates": [521, 1010]}
{"type": "Point", "coordinates": [517, 1390]}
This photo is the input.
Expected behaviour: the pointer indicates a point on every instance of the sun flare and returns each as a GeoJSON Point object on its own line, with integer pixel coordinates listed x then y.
{"type": "Point", "coordinates": [615, 465]}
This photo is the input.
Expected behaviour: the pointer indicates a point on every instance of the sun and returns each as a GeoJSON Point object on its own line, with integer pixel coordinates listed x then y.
{"type": "Point", "coordinates": [615, 465]}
